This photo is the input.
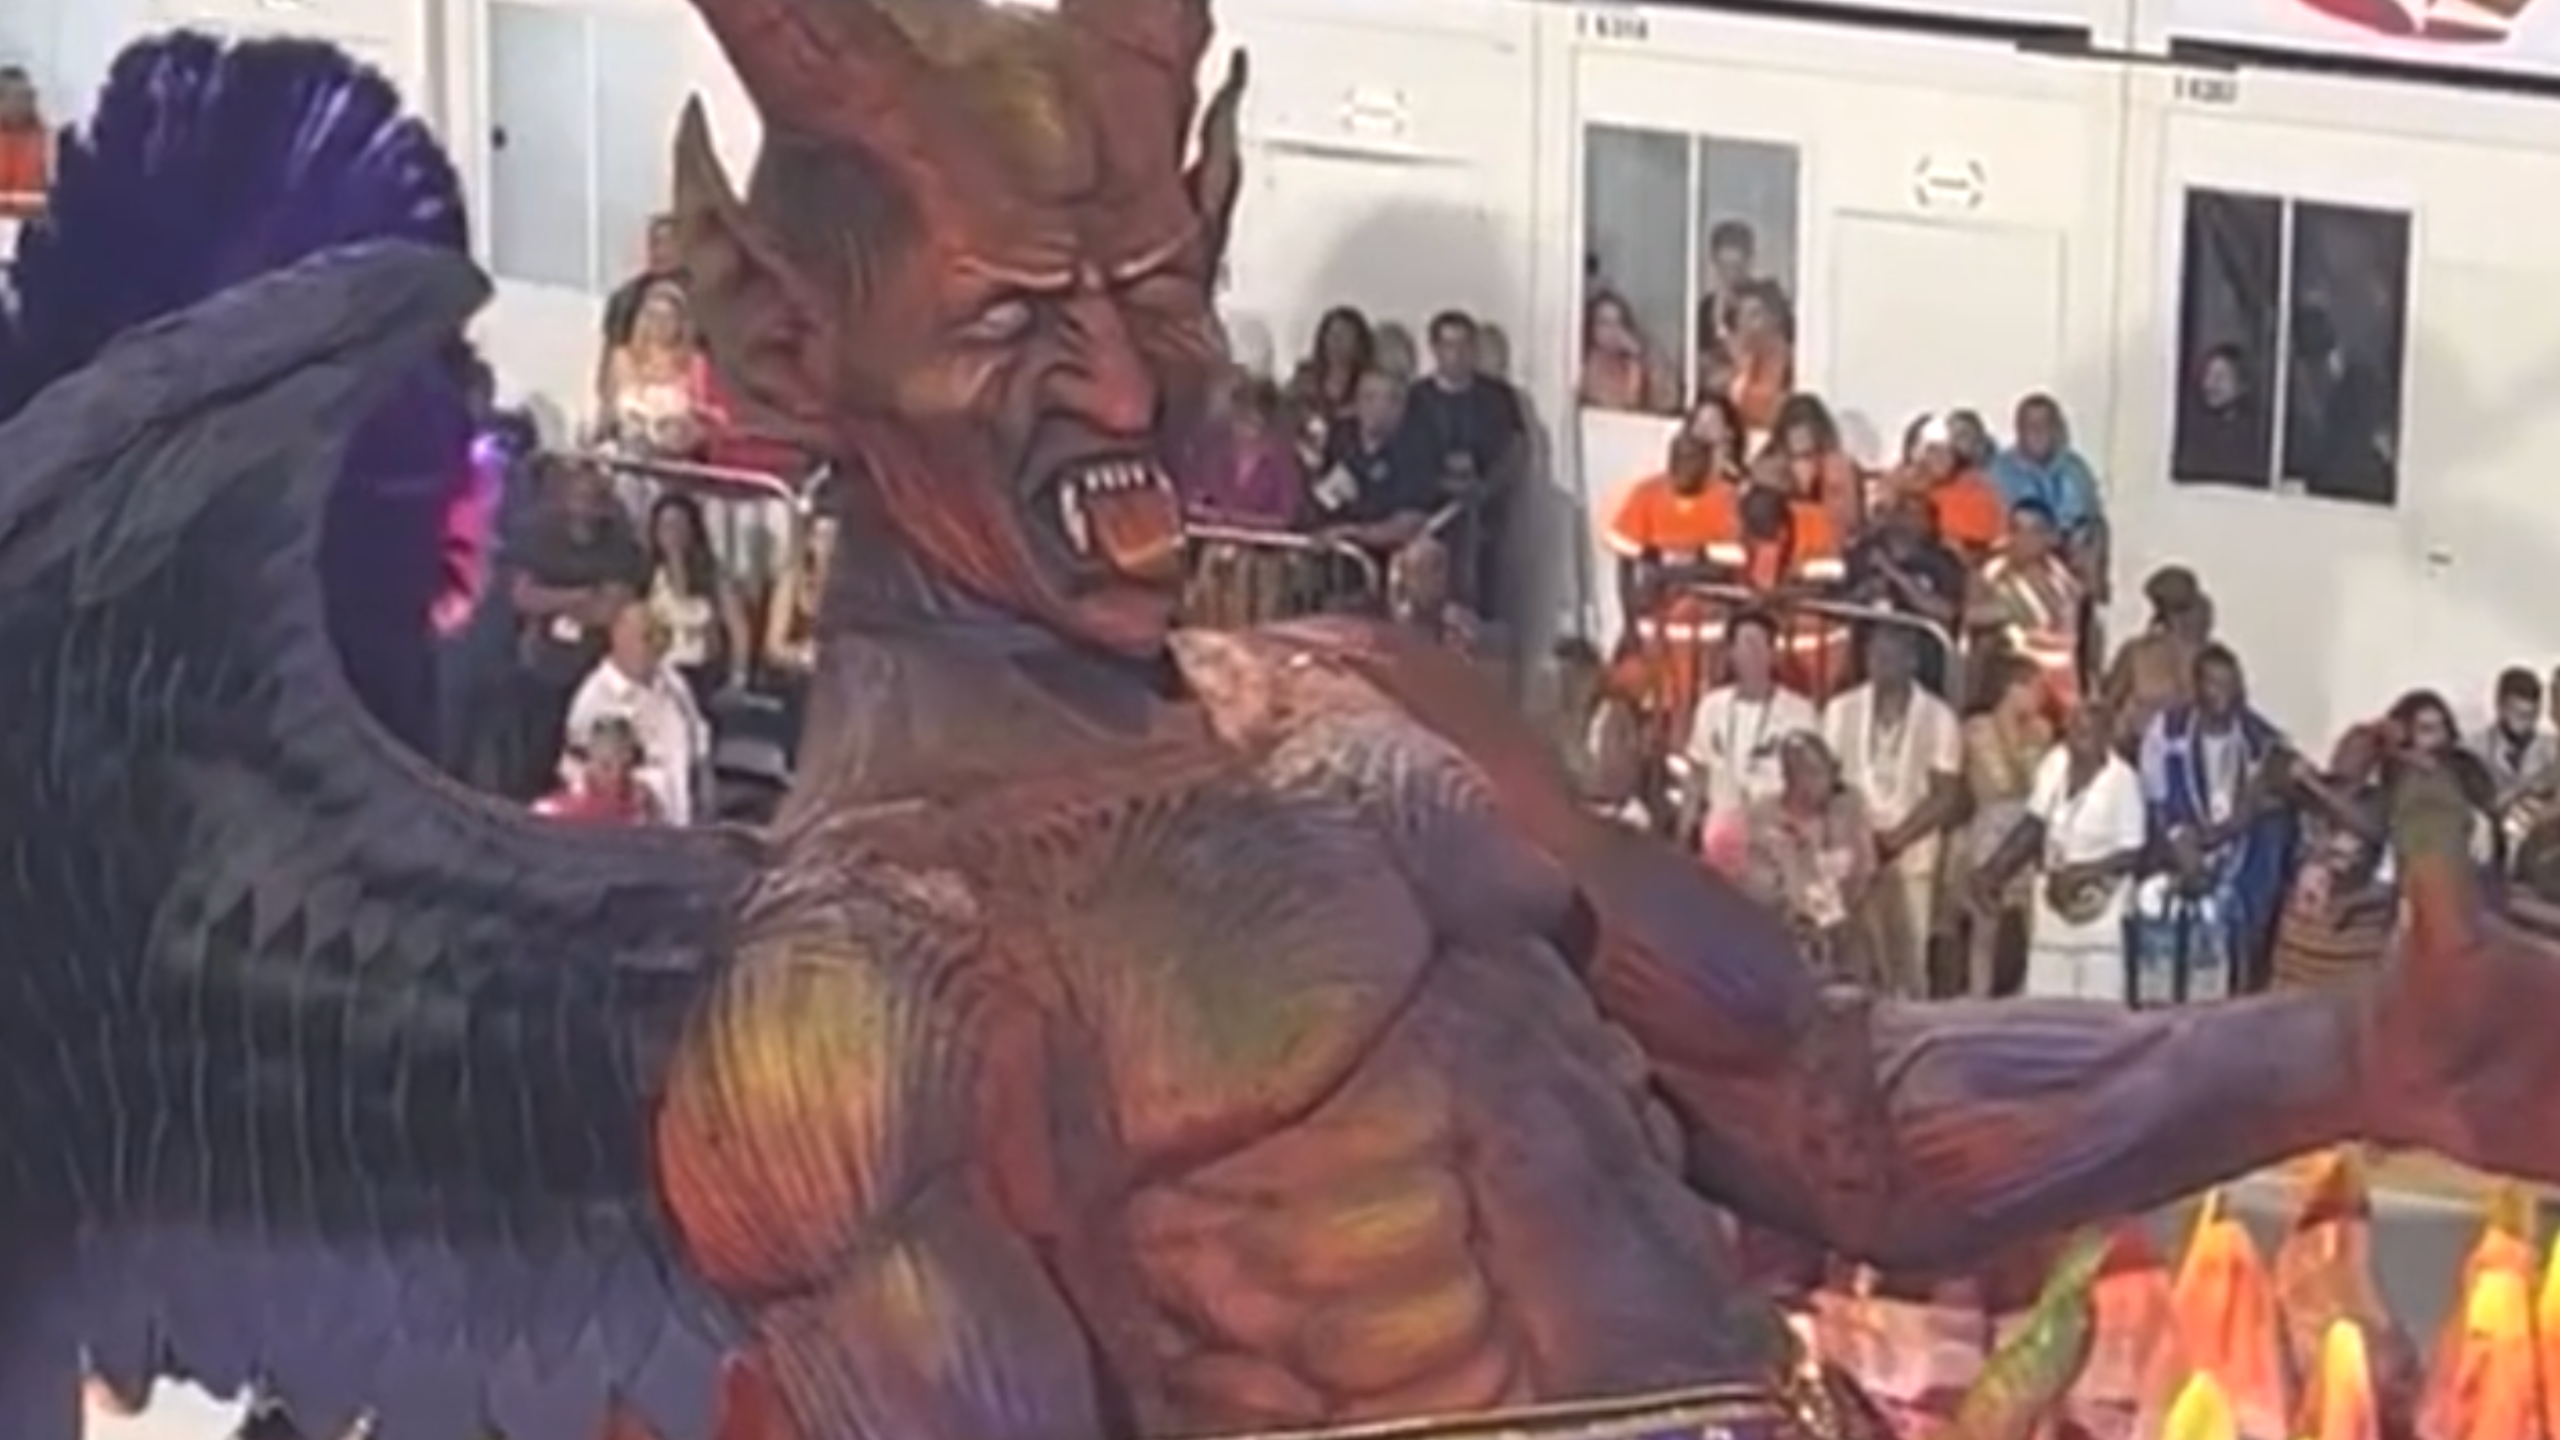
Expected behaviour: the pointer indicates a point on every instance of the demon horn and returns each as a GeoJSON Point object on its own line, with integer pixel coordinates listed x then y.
{"type": "Point", "coordinates": [816, 66]}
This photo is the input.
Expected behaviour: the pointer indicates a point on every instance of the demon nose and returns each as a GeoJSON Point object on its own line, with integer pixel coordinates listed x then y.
{"type": "Point", "coordinates": [1105, 381]}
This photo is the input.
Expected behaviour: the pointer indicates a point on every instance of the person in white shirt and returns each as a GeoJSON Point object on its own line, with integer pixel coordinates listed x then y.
{"type": "Point", "coordinates": [634, 683]}
{"type": "Point", "coordinates": [1732, 754]}
{"type": "Point", "coordinates": [1901, 750]}
{"type": "Point", "coordinates": [2084, 833]}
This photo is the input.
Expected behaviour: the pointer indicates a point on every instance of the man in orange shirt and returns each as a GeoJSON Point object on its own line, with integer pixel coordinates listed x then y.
{"type": "Point", "coordinates": [1972, 517]}
{"type": "Point", "coordinates": [1669, 533]}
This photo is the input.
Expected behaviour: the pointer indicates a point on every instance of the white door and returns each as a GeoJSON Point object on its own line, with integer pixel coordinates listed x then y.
{"type": "Point", "coordinates": [1926, 315]}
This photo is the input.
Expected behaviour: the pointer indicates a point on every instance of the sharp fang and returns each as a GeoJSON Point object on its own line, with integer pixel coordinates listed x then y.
{"type": "Point", "coordinates": [1071, 516]}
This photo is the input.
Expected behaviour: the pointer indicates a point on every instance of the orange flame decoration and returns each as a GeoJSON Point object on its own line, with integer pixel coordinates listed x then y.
{"type": "Point", "coordinates": [2228, 1346]}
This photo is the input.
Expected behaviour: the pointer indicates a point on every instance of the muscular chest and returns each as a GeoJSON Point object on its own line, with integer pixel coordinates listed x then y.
{"type": "Point", "coordinates": [1218, 957]}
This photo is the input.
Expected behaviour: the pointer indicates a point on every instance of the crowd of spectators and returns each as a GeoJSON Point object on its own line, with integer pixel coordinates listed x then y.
{"type": "Point", "coordinates": [1880, 699]}
{"type": "Point", "coordinates": [1367, 479]}
{"type": "Point", "coordinates": [654, 607]}
{"type": "Point", "coordinates": [1876, 695]}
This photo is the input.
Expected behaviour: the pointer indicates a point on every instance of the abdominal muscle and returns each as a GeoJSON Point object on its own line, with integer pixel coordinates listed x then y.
{"type": "Point", "coordinates": [1375, 1262]}
{"type": "Point", "coordinates": [1328, 1274]}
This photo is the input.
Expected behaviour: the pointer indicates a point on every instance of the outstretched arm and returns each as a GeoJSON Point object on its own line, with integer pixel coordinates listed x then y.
{"type": "Point", "coordinates": [1926, 1134]}
{"type": "Point", "coordinates": [1909, 1135]}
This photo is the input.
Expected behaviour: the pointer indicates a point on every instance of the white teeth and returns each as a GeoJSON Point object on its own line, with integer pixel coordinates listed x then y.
{"type": "Point", "coordinates": [1117, 477]}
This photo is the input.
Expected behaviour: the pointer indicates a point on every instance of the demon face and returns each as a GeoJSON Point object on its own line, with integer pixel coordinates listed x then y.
{"type": "Point", "coordinates": [971, 263]}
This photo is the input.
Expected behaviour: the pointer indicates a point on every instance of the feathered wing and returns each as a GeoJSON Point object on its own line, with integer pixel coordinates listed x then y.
{"type": "Point", "coordinates": [312, 1067]}
{"type": "Point", "coordinates": [205, 163]}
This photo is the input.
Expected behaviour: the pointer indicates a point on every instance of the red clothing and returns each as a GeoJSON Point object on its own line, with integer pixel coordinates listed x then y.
{"type": "Point", "coordinates": [599, 807]}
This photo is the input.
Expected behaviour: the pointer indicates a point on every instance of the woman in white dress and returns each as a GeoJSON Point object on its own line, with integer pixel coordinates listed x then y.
{"type": "Point", "coordinates": [2083, 835]}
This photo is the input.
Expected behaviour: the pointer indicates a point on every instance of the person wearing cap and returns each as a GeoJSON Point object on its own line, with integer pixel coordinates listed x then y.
{"type": "Point", "coordinates": [1971, 516]}
{"type": "Point", "coordinates": [2154, 671]}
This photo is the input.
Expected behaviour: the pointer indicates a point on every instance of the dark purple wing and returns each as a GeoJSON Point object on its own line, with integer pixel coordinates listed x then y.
{"type": "Point", "coordinates": [312, 1067]}
{"type": "Point", "coordinates": [203, 163]}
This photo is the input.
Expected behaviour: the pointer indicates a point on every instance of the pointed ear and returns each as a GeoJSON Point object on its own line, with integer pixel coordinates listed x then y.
{"type": "Point", "coordinates": [761, 319]}
{"type": "Point", "coordinates": [1217, 174]}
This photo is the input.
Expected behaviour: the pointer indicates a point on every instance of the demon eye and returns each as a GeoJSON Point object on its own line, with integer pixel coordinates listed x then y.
{"type": "Point", "coordinates": [1003, 321]}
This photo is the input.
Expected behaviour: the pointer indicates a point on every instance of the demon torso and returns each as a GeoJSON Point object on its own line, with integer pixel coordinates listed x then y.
{"type": "Point", "coordinates": [1260, 1039]}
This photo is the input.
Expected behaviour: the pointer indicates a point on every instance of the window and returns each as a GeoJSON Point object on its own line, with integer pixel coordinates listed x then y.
{"type": "Point", "coordinates": [582, 107]}
{"type": "Point", "coordinates": [1689, 269]}
{"type": "Point", "coordinates": [2292, 341]}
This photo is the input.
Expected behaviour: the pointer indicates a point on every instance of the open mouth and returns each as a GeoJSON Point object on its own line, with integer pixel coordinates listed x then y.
{"type": "Point", "coordinates": [1122, 514]}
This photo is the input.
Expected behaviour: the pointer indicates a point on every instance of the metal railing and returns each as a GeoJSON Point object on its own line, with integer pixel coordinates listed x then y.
{"type": "Point", "coordinates": [754, 517]}
{"type": "Point", "coordinates": [1240, 576]}
{"type": "Point", "coordinates": [1680, 650]}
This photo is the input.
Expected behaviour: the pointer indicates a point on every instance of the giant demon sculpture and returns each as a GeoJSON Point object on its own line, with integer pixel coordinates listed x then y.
{"type": "Point", "coordinates": [1122, 1033]}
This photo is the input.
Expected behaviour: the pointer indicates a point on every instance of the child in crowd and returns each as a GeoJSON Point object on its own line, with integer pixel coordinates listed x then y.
{"type": "Point", "coordinates": [604, 786]}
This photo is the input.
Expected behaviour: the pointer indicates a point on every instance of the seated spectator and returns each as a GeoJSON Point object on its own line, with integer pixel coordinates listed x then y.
{"type": "Point", "coordinates": [1379, 478]}
{"type": "Point", "coordinates": [695, 601]}
{"type": "Point", "coordinates": [2421, 734]}
{"type": "Point", "coordinates": [1970, 516]}
{"type": "Point", "coordinates": [1397, 354]}
{"type": "Point", "coordinates": [2040, 465]}
{"type": "Point", "coordinates": [2520, 755]}
{"type": "Point", "coordinates": [656, 402]}
{"type": "Point", "coordinates": [1806, 443]}
{"type": "Point", "coordinates": [2083, 837]}
{"type": "Point", "coordinates": [2342, 905]}
{"type": "Point", "coordinates": [1900, 565]}
{"type": "Point", "coordinates": [577, 564]}
{"type": "Point", "coordinates": [2216, 776]}
{"type": "Point", "coordinates": [1418, 596]}
{"type": "Point", "coordinates": [1754, 366]}
{"type": "Point", "coordinates": [1603, 731]}
{"type": "Point", "coordinates": [1975, 449]}
{"type": "Point", "coordinates": [1733, 263]}
{"type": "Point", "coordinates": [2154, 671]}
{"type": "Point", "coordinates": [1325, 382]}
{"type": "Point", "coordinates": [1732, 750]}
{"type": "Point", "coordinates": [2027, 602]}
{"type": "Point", "coordinates": [1476, 432]}
{"type": "Point", "coordinates": [791, 619]}
{"type": "Point", "coordinates": [1788, 553]}
{"type": "Point", "coordinates": [1902, 750]}
{"type": "Point", "coordinates": [1672, 527]}
{"type": "Point", "coordinates": [1671, 531]}
{"type": "Point", "coordinates": [2224, 433]}
{"type": "Point", "coordinates": [1621, 369]}
{"type": "Point", "coordinates": [1811, 855]}
{"type": "Point", "coordinates": [26, 146]}
{"type": "Point", "coordinates": [660, 264]}
{"type": "Point", "coordinates": [2003, 745]}
{"type": "Point", "coordinates": [603, 783]}
{"type": "Point", "coordinates": [1244, 473]}
{"type": "Point", "coordinates": [634, 684]}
